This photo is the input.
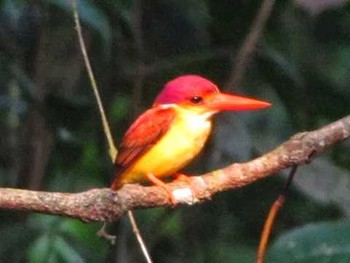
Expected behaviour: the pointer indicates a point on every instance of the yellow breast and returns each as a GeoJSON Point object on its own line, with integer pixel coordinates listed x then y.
{"type": "Point", "coordinates": [179, 146]}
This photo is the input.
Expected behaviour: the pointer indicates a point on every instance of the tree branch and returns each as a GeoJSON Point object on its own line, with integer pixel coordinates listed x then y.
{"type": "Point", "coordinates": [107, 205]}
{"type": "Point", "coordinates": [249, 43]}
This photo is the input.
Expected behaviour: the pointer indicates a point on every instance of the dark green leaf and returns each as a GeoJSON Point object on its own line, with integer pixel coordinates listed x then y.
{"type": "Point", "coordinates": [314, 243]}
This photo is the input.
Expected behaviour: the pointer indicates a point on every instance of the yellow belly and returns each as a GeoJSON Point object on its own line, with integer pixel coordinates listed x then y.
{"type": "Point", "coordinates": [179, 146]}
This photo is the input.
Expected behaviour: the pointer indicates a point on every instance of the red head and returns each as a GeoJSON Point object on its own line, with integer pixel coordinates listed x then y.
{"type": "Point", "coordinates": [197, 92]}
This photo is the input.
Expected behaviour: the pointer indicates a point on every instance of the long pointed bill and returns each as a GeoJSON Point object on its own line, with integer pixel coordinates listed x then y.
{"type": "Point", "coordinates": [226, 102]}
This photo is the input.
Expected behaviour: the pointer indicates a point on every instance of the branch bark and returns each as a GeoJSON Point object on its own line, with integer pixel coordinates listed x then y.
{"type": "Point", "coordinates": [107, 205]}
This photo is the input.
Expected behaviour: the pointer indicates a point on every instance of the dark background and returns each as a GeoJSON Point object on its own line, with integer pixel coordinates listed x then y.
{"type": "Point", "coordinates": [51, 137]}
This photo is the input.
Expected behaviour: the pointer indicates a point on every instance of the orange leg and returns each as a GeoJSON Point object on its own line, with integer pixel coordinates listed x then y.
{"type": "Point", "coordinates": [160, 183]}
{"type": "Point", "coordinates": [183, 178]}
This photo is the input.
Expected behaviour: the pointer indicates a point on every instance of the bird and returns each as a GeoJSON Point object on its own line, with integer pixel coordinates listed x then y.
{"type": "Point", "coordinates": [166, 137]}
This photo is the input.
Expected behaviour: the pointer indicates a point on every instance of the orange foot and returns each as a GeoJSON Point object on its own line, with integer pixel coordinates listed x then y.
{"type": "Point", "coordinates": [182, 178]}
{"type": "Point", "coordinates": [160, 183]}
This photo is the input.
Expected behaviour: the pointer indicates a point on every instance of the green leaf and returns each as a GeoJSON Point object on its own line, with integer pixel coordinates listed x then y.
{"type": "Point", "coordinates": [322, 242]}
{"type": "Point", "coordinates": [85, 234]}
{"type": "Point", "coordinates": [67, 252]}
{"type": "Point", "coordinates": [40, 249]}
{"type": "Point", "coordinates": [331, 187]}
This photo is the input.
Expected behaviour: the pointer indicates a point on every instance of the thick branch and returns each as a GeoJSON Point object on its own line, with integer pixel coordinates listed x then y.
{"type": "Point", "coordinates": [106, 205]}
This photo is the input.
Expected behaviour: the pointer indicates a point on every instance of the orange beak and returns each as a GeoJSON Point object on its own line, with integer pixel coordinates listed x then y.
{"type": "Point", "coordinates": [227, 102]}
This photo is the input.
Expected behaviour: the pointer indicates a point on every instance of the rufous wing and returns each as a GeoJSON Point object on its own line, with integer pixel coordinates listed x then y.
{"type": "Point", "coordinates": [142, 135]}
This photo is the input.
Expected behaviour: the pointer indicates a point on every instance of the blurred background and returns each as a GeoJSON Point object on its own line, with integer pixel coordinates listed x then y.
{"type": "Point", "coordinates": [51, 136]}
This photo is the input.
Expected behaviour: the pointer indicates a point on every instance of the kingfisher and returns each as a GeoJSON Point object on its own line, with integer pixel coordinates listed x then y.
{"type": "Point", "coordinates": [174, 130]}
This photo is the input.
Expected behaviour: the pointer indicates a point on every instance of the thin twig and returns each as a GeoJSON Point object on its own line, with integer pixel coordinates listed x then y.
{"type": "Point", "coordinates": [112, 149]}
{"type": "Point", "coordinates": [104, 234]}
{"type": "Point", "coordinates": [249, 43]}
{"type": "Point", "coordinates": [107, 131]}
{"type": "Point", "coordinates": [277, 205]}
{"type": "Point", "coordinates": [138, 235]}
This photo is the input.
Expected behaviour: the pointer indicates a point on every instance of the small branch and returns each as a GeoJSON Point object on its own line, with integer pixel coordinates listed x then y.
{"type": "Point", "coordinates": [107, 205]}
{"type": "Point", "coordinates": [139, 238]}
{"type": "Point", "coordinates": [271, 217]}
{"type": "Point", "coordinates": [249, 43]}
{"type": "Point", "coordinates": [107, 131]}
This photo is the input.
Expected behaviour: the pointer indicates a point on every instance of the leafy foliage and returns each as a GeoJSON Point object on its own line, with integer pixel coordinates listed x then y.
{"type": "Point", "coordinates": [322, 242]}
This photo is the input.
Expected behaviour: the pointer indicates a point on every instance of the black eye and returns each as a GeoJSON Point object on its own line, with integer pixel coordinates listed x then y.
{"type": "Point", "coordinates": [196, 99]}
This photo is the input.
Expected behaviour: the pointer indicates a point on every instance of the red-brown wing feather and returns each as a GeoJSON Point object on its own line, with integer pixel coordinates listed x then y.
{"type": "Point", "coordinates": [141, 136]}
